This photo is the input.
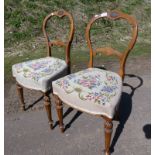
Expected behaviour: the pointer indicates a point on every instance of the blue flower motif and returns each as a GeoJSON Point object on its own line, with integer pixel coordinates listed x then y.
{"type": "Point", "coordinates": [108, 89]}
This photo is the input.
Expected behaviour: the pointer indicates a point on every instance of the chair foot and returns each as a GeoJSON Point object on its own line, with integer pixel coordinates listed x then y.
{"type": "Point", "coordinates": [107, 153]}
{"type": "Point", "coordinates": [21, 96]}
{"type": "Point", "coordinates": [108, 127]}
{"type": "Point", "coordinates": [62, 129]}
{"type": "Point", "coordinates": [47, 105]}
{"type": "Point", "coordinates": [59, 108]}
{"type": "Point", "coordinates": [51, 125]}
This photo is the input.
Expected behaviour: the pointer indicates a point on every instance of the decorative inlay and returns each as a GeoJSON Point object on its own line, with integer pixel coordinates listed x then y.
{"type": "Point", "coordinates": [60, 13]}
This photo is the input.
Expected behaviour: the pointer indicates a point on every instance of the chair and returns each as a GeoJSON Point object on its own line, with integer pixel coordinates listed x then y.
{"type": "Point", "coordinates": [38, 74]}
{"type": "Point", "coordinates": [96, 91]}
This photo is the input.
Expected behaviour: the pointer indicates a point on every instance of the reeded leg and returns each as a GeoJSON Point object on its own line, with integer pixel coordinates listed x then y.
{"type": "Point", "coordinates": [108, 126]}
{"type": "Point", "coordinates": [47, 105]}
{"type": "Point", "coordinates": [59, 108]}
{"type": "Point", "coordinates": [21, 96]}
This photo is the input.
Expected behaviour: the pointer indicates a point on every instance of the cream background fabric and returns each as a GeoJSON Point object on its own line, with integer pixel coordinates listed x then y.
{"type": "Point", "coordinates": [38, 74]}
{"type": "Point", "coordinates": [92, 90]}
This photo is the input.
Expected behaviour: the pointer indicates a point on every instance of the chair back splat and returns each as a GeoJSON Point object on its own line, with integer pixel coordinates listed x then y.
{"type": "Point", "coordinates": [66, 44]}
{"type": "Point", "coordinates": [109, 51]}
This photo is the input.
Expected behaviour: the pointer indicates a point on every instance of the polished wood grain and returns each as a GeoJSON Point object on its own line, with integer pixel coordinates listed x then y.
{"type": "Point", "coordinates": [48, 105]}
{"type": "Point", "coordinates": [21, 96]}
{"type": "Point", "coordinates": [113, 15]}
{"type": "Point", "coordinates": [66, 44]}
{"type": "Point", "coordinates": [108, 127]}
{"type": "Point", "coordinates": [59, 108]}
{"type": "Point", "coordinates": [109, 51]}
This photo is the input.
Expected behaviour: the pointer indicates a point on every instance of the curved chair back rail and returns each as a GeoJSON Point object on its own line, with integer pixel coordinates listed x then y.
{"type": "Point", "coordinates": [113, 15]}
{"type": "Point", "coordinates": [67, 44]}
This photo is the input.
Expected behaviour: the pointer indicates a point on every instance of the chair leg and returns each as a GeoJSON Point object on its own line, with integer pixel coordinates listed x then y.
{"type": "Point", "coordinates": [59, 108]}
{"type": "Point", "coordinates": [21, 96]}
{"type": "Point", "coordinates": [47, 105]}
{"type": "Point", "coordinates": [108, 127]}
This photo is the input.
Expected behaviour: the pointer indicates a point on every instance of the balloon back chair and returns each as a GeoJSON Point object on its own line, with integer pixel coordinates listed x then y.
{"type": "Point", "coordinates": [96, 91]}
{"type": "Point", "coordinates": [38, 74]}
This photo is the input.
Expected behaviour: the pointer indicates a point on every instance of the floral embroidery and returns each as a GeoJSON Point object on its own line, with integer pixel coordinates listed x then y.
{"type": "Point", "coordinates": [92, 85]}
{"type": "Point", "coordinates": [88, 81]}
{"type": "Point", "coordinates": [39, 68]}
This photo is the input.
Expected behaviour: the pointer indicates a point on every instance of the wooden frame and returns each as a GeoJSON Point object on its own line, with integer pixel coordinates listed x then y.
{"type": "Point", "coordinates": [67, 45]}
{"type": "Point", "coordinates": [113, 15]}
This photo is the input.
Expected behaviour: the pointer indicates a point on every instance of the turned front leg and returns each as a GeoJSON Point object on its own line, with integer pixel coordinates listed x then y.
{"type": "Point", "coordinates": [59, 108]}
{"type": "Point", "coordinates": [47, 105]}
{"type": "Point", "coordinates": [108, 127]}
{"type": "Point", "coordinates": [21, 96]}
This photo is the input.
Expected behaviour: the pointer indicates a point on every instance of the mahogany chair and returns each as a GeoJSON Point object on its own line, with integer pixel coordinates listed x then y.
{"type": "Point", "coordinates": [38, 74]}
{"type": "Point", "coordinates": [96, 91]}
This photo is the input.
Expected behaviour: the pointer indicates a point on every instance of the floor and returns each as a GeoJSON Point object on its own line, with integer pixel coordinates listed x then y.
{"type": "Point", "coordinates": [28, 133]}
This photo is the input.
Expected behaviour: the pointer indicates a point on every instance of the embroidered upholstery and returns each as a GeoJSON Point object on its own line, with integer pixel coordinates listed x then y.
{"type": "Point", "coordinates": [38, 74]}
{"type": "Point", "coordinates": [93, 90]}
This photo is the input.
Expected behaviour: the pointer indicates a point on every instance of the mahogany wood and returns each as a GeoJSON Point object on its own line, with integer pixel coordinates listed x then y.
{"type": "Point", "coordinates": [67, 44]}
{"type": "Point", "coordinates": [109, 51]}
{"type": "Point", "coordinates": [21, 96]}
{"type": "Point", "coordinates": [59, 108]}
{"type": "Point", "coordinates": [108, 127]}
{"type": "Point", "coordinates": [113, 15]}
{"type": "Point", "coordinates": [48, 105]}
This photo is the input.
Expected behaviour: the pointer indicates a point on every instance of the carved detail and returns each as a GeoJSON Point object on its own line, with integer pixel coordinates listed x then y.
{"type": "Point", "coordinates": [108, 127]}
{"type": "Point", "coordinates": [21, 96]}
{"type": "Point", "coordinates": [46, 99]}
{"type": "Point", "coordinates": [113, 15]}
{"type": "Point", "coordinates": [60, 13]}
{"type": "Point", "coordinates": [47, 105]}
{"type": "Point", "coordinates": [59, 108]}
{"type": "Point", "coordinates": [57, 43]}
{"type": "Point", "coordinates": [108, 51]}
{"type": "Point", "coordinates": [66, 44]}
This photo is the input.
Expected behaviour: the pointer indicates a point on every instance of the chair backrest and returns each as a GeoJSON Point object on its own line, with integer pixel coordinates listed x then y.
{"type": "Point", "coordinates": [66, 44]}
{"type": "Point", "coordinates": [113, 15]}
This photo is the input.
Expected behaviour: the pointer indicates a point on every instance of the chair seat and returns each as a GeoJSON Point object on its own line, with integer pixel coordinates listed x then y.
{"type": "Point", "coordinates": [93, 90]}
{"type": "Point", "coordinates": [38, 74]}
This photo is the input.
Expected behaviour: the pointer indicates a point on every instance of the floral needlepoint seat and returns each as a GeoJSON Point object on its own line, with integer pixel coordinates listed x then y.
{"type": "Point", "coordinates": [92, 90]}
{"type": "Point", "coordinates": [38, 74]}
